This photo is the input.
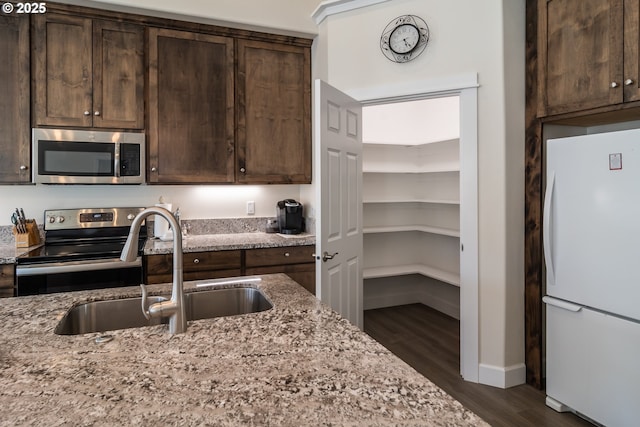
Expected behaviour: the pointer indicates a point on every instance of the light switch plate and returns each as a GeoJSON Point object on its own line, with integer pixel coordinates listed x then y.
{"type": "Point", "coordinates": [251, 208]}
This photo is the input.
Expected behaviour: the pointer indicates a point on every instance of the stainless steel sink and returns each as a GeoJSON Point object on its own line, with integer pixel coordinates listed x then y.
{"type": "Point", "coordinates": [225, 302]}
{"type": "Point", "coordinates": [101, 316]}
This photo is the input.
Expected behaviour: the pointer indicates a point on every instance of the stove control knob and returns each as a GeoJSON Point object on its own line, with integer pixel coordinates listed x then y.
{"type": "Point", "coordinates": [51, 219]}
{"type": "Point", "coordinates": [130, 217]}
{"type": "Point", "coordinates": [61, 219]}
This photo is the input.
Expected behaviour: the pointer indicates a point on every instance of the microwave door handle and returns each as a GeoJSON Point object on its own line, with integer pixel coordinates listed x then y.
{"type": "Point", "coordinates": [116, 163]}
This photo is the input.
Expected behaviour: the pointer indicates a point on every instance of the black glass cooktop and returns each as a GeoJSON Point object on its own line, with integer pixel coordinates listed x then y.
{"type": "Point", "coordinates": [72, 251]}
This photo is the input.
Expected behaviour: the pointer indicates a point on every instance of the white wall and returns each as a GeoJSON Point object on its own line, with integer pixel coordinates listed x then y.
{"type": "Point", "coordinates": [467, 36]}
{"type": "Point", "coordinates": [195, 202]}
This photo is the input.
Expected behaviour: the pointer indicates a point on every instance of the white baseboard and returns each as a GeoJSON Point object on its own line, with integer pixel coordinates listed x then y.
{"type": "Point", "coordinates": [502, 377]}
{"type": "Point", "coordinates": [390, 300]}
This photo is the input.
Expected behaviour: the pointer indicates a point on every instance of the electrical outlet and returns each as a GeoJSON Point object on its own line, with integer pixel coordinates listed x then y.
{"type": "Point", "coordinates": [251, 208]}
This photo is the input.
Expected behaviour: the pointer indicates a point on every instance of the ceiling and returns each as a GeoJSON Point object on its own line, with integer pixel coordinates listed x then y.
{"type": "Point", "coordinates": [412, 122]}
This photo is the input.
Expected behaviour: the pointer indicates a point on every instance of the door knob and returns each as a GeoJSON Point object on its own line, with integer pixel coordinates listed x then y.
{"type": "Point", "coordinates": [326, 257]}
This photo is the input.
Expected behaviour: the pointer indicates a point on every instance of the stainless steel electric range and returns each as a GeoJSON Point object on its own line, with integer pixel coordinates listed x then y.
{"type": "Point", "coordinates": [81, 251]}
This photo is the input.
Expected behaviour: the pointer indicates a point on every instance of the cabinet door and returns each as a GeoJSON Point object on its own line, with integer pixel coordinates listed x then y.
{"type": "Point", "coordinates": [296, 261]}
{"type": "Point", "coordinates": [631, 47]}
{"type": "Point", "coordinates": [62, 70]}
{"type": "Point", "coordinates": [304, 274]}
{"type": "Point", "coordinates": [191, 108]}
{"type": "Point", "coordinates": [274, 113]}
{"type": "Point", "coordinates": [580, 54]}
{"type": "Point", "coordinates": [6, 280]}
{"type": "Point", "coordinates": [15, 140]}
{"type": "Point", "coordinates": [118, 75]}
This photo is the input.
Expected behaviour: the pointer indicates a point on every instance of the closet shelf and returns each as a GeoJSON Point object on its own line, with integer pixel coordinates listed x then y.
{"type": "Point", "coordinates": [423, 228]}
{"type": "Point", "coordinates": [402, 270]}
{"type": "Point", "coordinates": [407, 170]}
{"type": "Point", "coordinates": [433, 201]}
{"type": "Point", "coordinates": [366, 169]}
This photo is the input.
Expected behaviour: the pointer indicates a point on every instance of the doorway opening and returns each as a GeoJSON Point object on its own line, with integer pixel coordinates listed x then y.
{"type": "Point", "coordinates": [420, 209]}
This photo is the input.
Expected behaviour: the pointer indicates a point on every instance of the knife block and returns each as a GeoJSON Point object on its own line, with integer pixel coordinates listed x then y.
{"type": "Point", "coordinates": [30, 238]}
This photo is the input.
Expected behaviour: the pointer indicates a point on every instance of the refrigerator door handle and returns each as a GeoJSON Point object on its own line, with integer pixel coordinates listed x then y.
{"type": "Point", "coordinates": [562, 304]}
{"type": "Point", "coordinates": [546, 230]}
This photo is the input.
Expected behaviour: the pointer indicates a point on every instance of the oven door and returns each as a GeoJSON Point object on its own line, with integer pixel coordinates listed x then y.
{"type": "Point", "coordinates": [47, 278]}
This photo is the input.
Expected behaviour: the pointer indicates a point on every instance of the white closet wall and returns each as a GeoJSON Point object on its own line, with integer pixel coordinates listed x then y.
{"type": "Point", "coordinates": [411, 214]}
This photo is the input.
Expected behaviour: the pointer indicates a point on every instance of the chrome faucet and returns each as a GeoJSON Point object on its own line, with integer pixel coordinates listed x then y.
{"type": "Point", "coordinates": [174, 308]}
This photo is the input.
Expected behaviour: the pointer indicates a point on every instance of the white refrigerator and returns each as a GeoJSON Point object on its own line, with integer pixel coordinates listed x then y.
{"type": "Point", "coordinates": [591, 239]}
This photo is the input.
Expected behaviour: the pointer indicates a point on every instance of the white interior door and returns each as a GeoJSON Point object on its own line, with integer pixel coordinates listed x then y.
{"type": "Point", "coordinates": [338, 174]}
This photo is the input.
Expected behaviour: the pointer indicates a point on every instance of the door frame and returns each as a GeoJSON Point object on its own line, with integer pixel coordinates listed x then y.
{"type": "Point", "coordinates": [465, 86]}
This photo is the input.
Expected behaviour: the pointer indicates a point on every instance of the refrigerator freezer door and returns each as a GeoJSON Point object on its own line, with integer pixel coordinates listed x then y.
{"type": "Point", "coordinates": [592, 363]}
{"type": "Point", "coordinates": [592, 221]}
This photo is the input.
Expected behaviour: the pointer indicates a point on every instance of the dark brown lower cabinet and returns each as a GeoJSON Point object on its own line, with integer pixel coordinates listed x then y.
{"type": "Point", "coordinates": [295, 261]}
{"type": "Point", "coordinates": [195, 265]}
{"type": "Point", "coordinates": [6, 280]}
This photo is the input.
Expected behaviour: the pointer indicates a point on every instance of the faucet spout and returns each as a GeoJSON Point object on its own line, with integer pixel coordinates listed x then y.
{"type": "Point", "coordinates": [174, 307]}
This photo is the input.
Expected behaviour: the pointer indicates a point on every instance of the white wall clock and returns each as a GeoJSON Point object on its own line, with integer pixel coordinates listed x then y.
{"type": "Point", "coordinates": [404, 38]}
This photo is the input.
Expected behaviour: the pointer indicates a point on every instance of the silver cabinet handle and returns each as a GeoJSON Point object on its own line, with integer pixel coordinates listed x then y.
{"type": "Point", "coordinates": [326, 257]}
{"type": "Point", "coordinates": [196, 261]}
{"type": "Point", "coordinates": [287, 254]}
{"type": "Point", "coordinates": [628, 82]}
{"type": "Point", "coordinates": [87, 113]}
{"type": "Point", "coordinates": [97, 113]}
{"type": "Point", "coordinates": [614, 84]}
{"type": "Point", "coordinates": [243, 170]}
{"type": "Point", "coordinates": [23, 167]}
{"type": "Point", "coordinates": [153, 169]}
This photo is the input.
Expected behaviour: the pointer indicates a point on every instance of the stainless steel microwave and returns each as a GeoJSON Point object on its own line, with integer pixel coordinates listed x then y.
{"type": "Point", "coordinates": [65, 156]}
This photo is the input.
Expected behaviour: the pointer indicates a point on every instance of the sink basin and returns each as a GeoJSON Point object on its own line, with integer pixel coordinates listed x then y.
{"type": "Point", "coordinates": [100, 316]}
{"type": "Point", "coordinates": [225, 302]}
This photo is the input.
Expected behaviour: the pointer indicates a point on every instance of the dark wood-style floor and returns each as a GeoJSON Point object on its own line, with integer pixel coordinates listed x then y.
{"type": "Point", "coordinates": [429, 341]}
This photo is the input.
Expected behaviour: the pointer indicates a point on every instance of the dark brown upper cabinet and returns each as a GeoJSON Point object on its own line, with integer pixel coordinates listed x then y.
{"type": "Point", "coordinates": [15, 135]}
{"type": "Point", "coordinates": [88, 72]}
{"type": "Point", "coordinates": [274, 113]}
{"type": "Point", "coordinates": [191, 108]}
{"type": "Point", "coordinates": [588, 54]}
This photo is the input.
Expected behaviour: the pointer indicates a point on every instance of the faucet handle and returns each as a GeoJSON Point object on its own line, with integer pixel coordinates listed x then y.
{"type": "Point", "coordinates": [145, 309]}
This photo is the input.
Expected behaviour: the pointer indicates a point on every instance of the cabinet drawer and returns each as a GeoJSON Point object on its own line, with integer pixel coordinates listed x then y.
{"type": "Point", "coordinates": [6, 280]}
{"type": "Point", "coordinates": [280, 256]}
{"type": "Point", "coordinates": [196, 266]}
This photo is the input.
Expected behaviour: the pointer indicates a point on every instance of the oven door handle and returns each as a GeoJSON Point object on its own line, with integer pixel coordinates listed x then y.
{"type": "Point", "coordinates": [75, 266]}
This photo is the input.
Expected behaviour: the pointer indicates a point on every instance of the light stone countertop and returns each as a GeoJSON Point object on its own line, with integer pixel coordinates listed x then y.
{"type": "Point", "coordinates": [296, 364]}
{"type": "Point", "coordinates": [9, 252]}
{"type": "Point", "coordinates": [231, 241]}
{"type": "Point", "coordinates": [197, 243]}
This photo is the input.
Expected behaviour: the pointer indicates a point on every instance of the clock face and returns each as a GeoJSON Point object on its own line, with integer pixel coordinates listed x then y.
{"type": "Point", "coordinates": [404, 38]}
